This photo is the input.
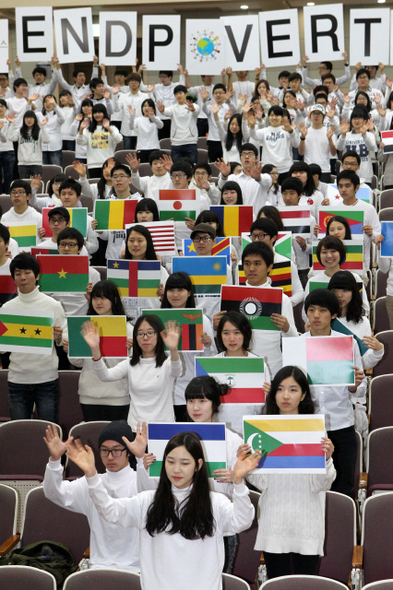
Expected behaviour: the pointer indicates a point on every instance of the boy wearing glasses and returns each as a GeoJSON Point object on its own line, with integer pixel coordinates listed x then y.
{"type": "Point", "coordinates": [110, 545]}
{"type": "Point", "coordinates": [21, 213]}
{"type": "Point", "coordinates": [70, 193]}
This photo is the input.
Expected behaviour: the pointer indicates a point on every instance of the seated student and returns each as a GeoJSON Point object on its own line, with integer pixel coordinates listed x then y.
{"type": "Point", "coordinates": [311, 197]}
{"type": "Point", "coordinates": [334, 401]}
{"type": "Point", "coordinates": [160, 179]}
{"type": "Point", "coordinates": [107, 541]}
{"type": "Point", "coordinates": [59, 219]}
{"type": "Point", "coordinates": [40, 88]}
{"type": "Point", "coordinates": [70, 193]}
{"type": "Point", "coordinates": [103, 189]}
{"type": "Point", "coordinates": [317, 142]}
{"type": "Point", "coordinates": [322, 187]}
{"type": "Point", "coordinates": [33, 378]}
{"type": "Point", "coordinates": [21, 213]}
{"type": "Point", "coordinates": [266, 231]}
{"type": "Point", "coordinates": [350, 160]}
{"type": "Point", "coordinates": [201, 181]}
{"type": "Point", "coordinates": [13, 248]}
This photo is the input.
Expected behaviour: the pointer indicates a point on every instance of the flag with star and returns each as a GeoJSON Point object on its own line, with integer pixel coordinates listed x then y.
{"type": "Point", "coordinates": [31, 334]}
{"type": "Point", "coordinates": [135, 278]}
{"type": "Point", "coordinates": [222, 248]}
{"type": "Point", "coordinates": [78, 220]}
{"type": "Point", "coordinates": [63, 274]}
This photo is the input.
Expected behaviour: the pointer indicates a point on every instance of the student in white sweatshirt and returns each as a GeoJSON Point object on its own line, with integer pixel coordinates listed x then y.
{"type": "Point", "coordinates": [146, 128]}
{"type": "Point", "coordinates": [30, 138]}
{"type": "Point", "coordinates": [160, 178]}
{"type": "Point", "coordinates": [53, 150]}
{"type": "Point", "coordinates": [21, 213]}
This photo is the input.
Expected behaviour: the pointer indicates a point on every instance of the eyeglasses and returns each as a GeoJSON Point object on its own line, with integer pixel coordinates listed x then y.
{"type": "Point", "coordinates": [203, 173]}
{"type": "Point", "coordinates": [259, 237]}
{"type": "Point", "coordinates": [15, 193]}
{"type": "Point", "coordinates": [247, 154]}
{"type": "Point", "coordinates": [201, 239]}
{"type": "Point", "coordinates": [69, 245]}
{"type": "Point", "coordinates": [117, 176]}
{"type": "Point", "coordinates": [57, 220]}
{"type": "Point", "coordinates": [149, 334]}
{"type": "Point", "coordinates": [116, 453]}
{"type": "Point", "coordinates": [178, 175]}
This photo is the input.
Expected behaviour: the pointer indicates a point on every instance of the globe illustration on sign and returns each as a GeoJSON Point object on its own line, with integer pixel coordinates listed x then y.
{"type": "Point", "coordinates": [205, 47]}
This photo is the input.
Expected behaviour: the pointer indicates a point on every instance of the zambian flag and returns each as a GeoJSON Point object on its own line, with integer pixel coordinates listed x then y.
{"type": "Point", "coordinates": [113, 336]}
{"type": "Point", "coordinates": [26, 333]}
{"type": "Point", "coordinates": [25, 235]}
{"type": "Point", "coordinates": [78, 220]}
{"type": "Point", "coordinates": [114, 214]}
{"type": "Point", "coordinates": [63, 274]}
{"type": "Point", "coordinates": [190, 322]}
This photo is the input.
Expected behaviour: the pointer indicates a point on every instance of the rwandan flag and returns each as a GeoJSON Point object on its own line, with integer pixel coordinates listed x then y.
{"type": "Point", "coordinates": [244, 376]}
{"type": "Point", "coordinates": [113, 336]}
{"type": "Point", "coordinates": [212, 436]}
{"type": "Point", "coordinates": [235, 219]}
{"type": "Point", "coordinates": [135, 278]}
{"type": "Point", "coordinates": [190, 322]}
{"type": "Point", "coordinates": [328, 360]}
{"type": "Point", "coordinates": [78, 220]}
{"type": "Point", "coordinates": [256, 303]}
{"type": "Point", "coordinates": [355, 218]}
{"type": "Point", "coordinates": [177, 204]}
{"type": "Point", "coordinates": [222, 248]}
{"type": "Point", "coordinates": [26, 333]}
{"type": "Point", "coordinates": [25, 235]}
{"type": "Point", "coordinates": [207, 273]}
{"type": "Point", "coordinates": [63, 274]}
{"type": "Point", "coordinates": [353, 260]}
{"type": "Point", "coordinates": [289, 444]}
{"type": "Point", "coordinates": [114, 214]}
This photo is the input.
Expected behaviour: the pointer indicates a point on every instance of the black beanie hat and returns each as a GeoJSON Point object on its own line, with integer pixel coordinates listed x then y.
{"type": "Point", "coordinates": [114, 431]}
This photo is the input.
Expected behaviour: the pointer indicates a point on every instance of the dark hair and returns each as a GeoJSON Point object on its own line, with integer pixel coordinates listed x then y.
{"type": "Point", "coordinates": [260, 249]}
{"type": "Point", "coordinates": [362, 93]}
{"type": "Point", "coordinates": [292, 184]}
{"type": "Point", "coordinates": [389, 101]}
{"type": "Point", "coordinates": [272, 213]}
{"type": "Point", "coordinates": [3, 103]}
{"type": "Point", "coordinates": [233, 165]}
{"type": "Point", "coordinates": [346, 281]}
{"type": "Point", "coordinates": [306, 406]}
{"type": "Point", "coordinates": [108, 290]}
{"type": "Point", "coordinates": [178, 280]}
{"type": "Point", "coordinates": [249, 147]}
{"type": "Point", "coordinates": [19, 183]}
{"type": "Point", "coordinates": [267, 168]}
{"type": "Point", "coordinates": [321, 95]}
{"type": "Point", "coordinates": [295, 76]}
{"type": "Point", "coordinates": [159, 351]}
{"type": "Point", "coordinates": [339, 219]}
{"type": "Point", "coordinates": [284, 74]}
{"type": "Point", "coordinates": [328, 64]}
{"type": "Point", "coordinates": [133, 76]}
{"type": "Point", "coordinates": [352, 154]}
{"type": "Point", "coordinates": [230, 138]}
{"type": "Point", "coordinates": [182, 166]}
{"type": "Point", "coordinates": [121, 72]}
{"type": "Point", "coordinates": [94, 82]}
{"type": "Point", "coordinates": [206, 387]}
{"type": "Point", "coordinates": [55, 178]}
{"type": "Point", "coordinates": [309, 187]}
{"type": "Point", "coordinates": [204, 166]}
{"type": "Point", "coordinates": [155, 155]}
{"type": "Point", "coordinates": [329, 76]}
{"type": "Point", "coordinates": [362, 71]}
{"type": "Point", "coordinates": [18, 82]}
{"type": "Point", "coordinates": [359, 111]}
{"type": "Point", "coordinates": [44, 111]}
{"type": "Point", "coordinates": [77, 71]}
{"type": "Point", "coordinates": [232, 185]}
{"type": "Point", "coordinates": [86, 103]}
{"type": "Point", "coordinates": [64, 93]}
{"type": "Point", "coordinates": [331, 243]}
{"type": "Point", "coordinates": [4, 233]}
{"type": "Point", "coordinates": [24, 261]}
{"type": "Point", "coordinates": [219, 86]}
{"type": "Point", "coordinates": [151, 104]}
{"type": "Point", "coordinates": [266, 225]}
{"type": "Point", "coordinates": [207, 216]}
{"type": "Point", "coordinates": [240, 321]}
{"type": "Point", "coordinates": [147, 205]}
{"type": "Point", "coordinates": [257, 85]}
{"type": "Point", "coordinates": [168, 73]}
{"type": "Point", "coordinates": [275, 110]}
{"type": "Point", "coordinates": [73, 233]}
{"type": "Point", "coordinates": [315, 169]}
{"type": "Point", "coordinates": [39, 70]}
{"type": "Point", "coordinates": [180, 88]}
{"type": "Point", "coordinates": [35, 130]}
{"type": "Point", "coordinates": [120, 166]}
{"type": "Point", "coordinates": [323, 298]}
{"type": "Point", "coordinates": [321, 88]}
{"type": "Point", "coordinates": [289, 91]}
{"type": "Point", "coordinates": [195, 520]}
{"type": "Point", "coordinates": [72, 184]}
{"type": "Point", "coordinates": [101, 184]}
{"type": "Point", "coordinates": [141, 229]}
{"type": "Point", "coordinates": [97, 108]}
{"type": "Point", "coordinates": [348, 175]}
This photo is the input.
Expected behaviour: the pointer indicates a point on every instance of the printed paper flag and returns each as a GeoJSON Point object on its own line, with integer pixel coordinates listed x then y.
{"type": "Point", "coordinates": [244, 375]}
{"type": "Point", "coordinates": [387, 138]}
{"type": "Point", "coordinates": [113, 336]}
{"type": "Point", "coordinates": [280, 276]}
{"type": "Point", "coordinates": [190, 322]}
{"type": "Point", "coordinates": [222, 248]}
{"type": "Point", "coordinates": [337, 326]}
{"type": "Point", "coordinates": [289, 444]}
{"type": "Point", "coordinates": [296, 220]}
{"type": "Point", "coordinates": [163, 236]}
{"type": "Point", "coordinates": [78, 220]}
{"type": "Point", "coordinates": [387, 232]}
{"type": "Point", "coordinates": [316, 283]}
{"type": "Point", "coordinates": [212, 437]}
{"type": "Point", "coordinates": [207, 273]}
{"type": "Point", "coordinates": [178, 204]}
{"type": "Point", "coordinates": [25, 235]}
{"type": "Point", "coordinates": [63, 274]}
{"type": "Point", "coordinates": [37, 250]}
{"type": "Point", "coordinates": [8, 289]}
{"type": "Point", "coordinates": [364, 193]}
{"type": "Point", "coordinates": [26, 333]}
{"type": "Point", "coordinates": [257, 303]}
{"type": "Point", "coordinates": [355, 218]}
{"type": "Point", "coordinates": [283, 244]}
{"type": "Point", "coordinates": [328, 360]}
{"type": "Point", "coordinates": [353, 260]}
{"type": "Point", "coordinates": [135, 278]}
{"type": "Point", "coordinates": [235, 219]}
{"type": "Point", "coordinates": [114, 214]}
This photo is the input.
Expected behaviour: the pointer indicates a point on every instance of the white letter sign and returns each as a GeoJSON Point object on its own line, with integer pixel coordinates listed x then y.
{"type": "Point", "coordinates": [161, 42]}
{"type": "Point", "coordinates": [74, 35]}
{"type": "Point", "coordinates": [241, 42]}
{"type": "Point", "coordinates": [34, 34]}
{"type": "Point", "coordinates": [118, 35]}
{"type": "Point", "coordinates": [279, 32]}
{"type": "Point", "coordinates": [324, 32]}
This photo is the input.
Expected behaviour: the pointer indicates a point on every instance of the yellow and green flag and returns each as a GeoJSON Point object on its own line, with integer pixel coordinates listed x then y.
{"type": "Point", "coordinates": [26, 333]}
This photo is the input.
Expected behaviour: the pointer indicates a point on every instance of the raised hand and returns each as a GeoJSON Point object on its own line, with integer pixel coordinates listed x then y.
{"type": "Point", "coordinates": [133, 162]}
{"type": "Point", "coordinates": [56, 446]}
{"type": "Point", "coordinates": [107, 94]}
{"type": "Point", "coordinates": [171, 335]}
{"type": "Point", "coordinates": [115, 89]}
{"type": "Point", "coordinates": [204, 93]}
{"type": "Point", "coordinates": [330, 132]}
{"type": "Point", "coordinates": [150, 87]}
{"type": "Point", "coordinates": [287, 124]}
{"type": "Point", "coordinates": [161, 107]}
{"type": "Point", "coordinates": [85, 123]}
{"type": "Point", "coordinates": [35, 182]}
{"type": "Point", "coordinates": [91, 336]}
{"type": "Point", "coordinates": [168, 163]}
{"type": "Point", "coordinates": [344, 127]}
{"type": "Point", "coordinates": [244, 464]}
{"type": "Point", "coordinates": [44, 122]}
{"type": "Point", "coordinates": [79, 168]}
{"type": "Point", "coordinates": [82, 456]}
{"type": "Point", "coordinates": [139, 444]}
{"type": "Point", "coordinates": [228, 114]}
{"type": "Point", "coordinates": [256, 171]}
{"type": "Point", "coordinates": [215, 108]}
{"type": "Point", "coordinates": [223, 167]}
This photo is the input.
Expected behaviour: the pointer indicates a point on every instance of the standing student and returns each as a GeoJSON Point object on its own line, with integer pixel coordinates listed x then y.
{"type": "Point", "coordinates": [233, 137]}
{"type": "Point", "coordinates": [69, 109]}
{"type": "Point", "coordinates": [222, 105]}
{"type": "Point", "coordinates": [7, 153]}
{"type": "Point", "coordinates": [291, 525]}
{"type": "Point", "coordinates": [317, 143]}
{"type": "Point", "coordinates": [146, 211]}
{"type": "Point", "coordinates": [123, 102]}
{"type": "Point", "coordinates": [311, 196]}
{"type": "Point", "coordinates": [146, 129]}
{"type": "Point", "coordinates": [270, 212]}
{"type": "Point", "coordinates": [84, 115]}
{"type": "Point", "coordinates": [274, 196]}
{"type": "Point", "coordinates": [103, 189]}
{"type": "Point", "coordinates": [52, 152]}
{"type": "Point", "coordinates": [196, 534]}
{"type": "Point", "coordinates": [30, 139]}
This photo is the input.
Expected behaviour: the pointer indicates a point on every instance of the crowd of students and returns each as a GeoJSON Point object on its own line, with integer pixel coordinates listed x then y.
{"type": "Point", "coordinates": [272, 148]}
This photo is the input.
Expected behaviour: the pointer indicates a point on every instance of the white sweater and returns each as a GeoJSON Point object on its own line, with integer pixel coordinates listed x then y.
{"type": "Point", "coordinates": [35, 368]}
{"type": "Point", "coordinates": [184, 123]}
{"type": "Point", "coordinates": [110, 545]}
{"type": "Point", "coordinates": [56, 119]}
{"type": "Point", "coordinates": [29, 150]}
{"type": "Point", "coordinates": [146, 128]}
{"type": "Point", "coordinates": [277, 146]}
{"type": "Point", "coordinates": [171, 562]}
{"type": "Point", "coordinates": [150, 387]}
{"type": "Point", "coordinates": [100, 145]}
{"type": "Point", "coordinates": [151, 185]}
{"type": "Point", "coordinates": [28, 217]}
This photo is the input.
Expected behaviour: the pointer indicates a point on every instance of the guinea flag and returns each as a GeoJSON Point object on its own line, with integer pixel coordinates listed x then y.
{"type": "Point", "coordinates": [26, 333]}
{"type": "Point", "coordinates": [256, 303]}
{"type": "Point", "coordinates": [177, 204]}
{"type": "Point", "coordinates": [78, 220]}
{"type": "Point", "coordinates": [190, 322]}
{"type": "Point", "coordinates": [355, 218]}
{"type": "Point", "coordinates": [113, 336]}
{"type": "Point", "coordinates": [63, 274]}
{"type": "Point", "coordinates": [135, 278]}
{"type": "Point", "coordinates": [235, 219]}
{"type": "Point", "coordinates": [114, 214]}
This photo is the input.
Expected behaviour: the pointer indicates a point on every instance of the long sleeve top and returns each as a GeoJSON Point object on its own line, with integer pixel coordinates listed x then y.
{"type": "Point", "coordinates": [56, 119]}
{"type": "Point", "coordinates": [184, 124]}
{"type": "Point", "coordinates": [146, 129]}
{"type": "Point", "coordinates": [277, 146]}
{"type": "Point", "coordinates": [29, 149]}
{"type": "Point", "coordinates": [100, 145]}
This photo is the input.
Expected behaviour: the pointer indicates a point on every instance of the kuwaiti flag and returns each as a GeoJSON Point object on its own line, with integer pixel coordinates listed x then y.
{"type": "Point", "coordinates": [26, 333]}
{"type": "Point", "coordinates": [78, 220]}
{"type": "Point", "coordinates": [235, 219]}
{"type": "Point", "coordinates": [297, 220]}
{"type": "Point", "coordinates": [256, 303]}
{"type": "Point", "coordinates": [212, 436]}
{"type": "Point", "coordinates": [163, 236]}
{"type": "Point", "coordinates": [353, 260]}
{"type": "Point", "coordinates": [355, 218]}
{"type": "Point", "coordinates": [114, 214]}
{"type": "Point", "coordinates": [190, 322]}
{"type": "Point", "coordinates": [113, 336]}
{"type": "Point", "coordinates": [327, 360]}
{"type": "Point", "coordinates": [135, 278]}
{"type": "Point", "coordinates": [387, 138]}
{"type": "Point", "coordinates": [178, 204]}
{"type": "Point", "coordinates": [221, 248]}
{"type": "Point", "coordinates": [387, 244]}
{"type": "Point", "coordinates": [289, 444]}
{"type": "Point", "coordinates": [244, 376]}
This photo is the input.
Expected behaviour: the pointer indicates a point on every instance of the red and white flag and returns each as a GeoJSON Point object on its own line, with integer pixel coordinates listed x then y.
{"type": "Point", "coordinates": [162, 234]}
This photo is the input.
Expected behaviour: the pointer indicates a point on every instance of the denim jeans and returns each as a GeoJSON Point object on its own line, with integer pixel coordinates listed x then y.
{"type": "Point", "coordinates": [22, 396]}
{"type": "Point", "coordinates": [129, 142]}
{"type": "Point", "coordinates": [25, 172]}
{"type": "Point", "coordinates": [7, 162]}
{"type": "Point", "coordinates": [55, 158]}
{"type": "Point", "coordinates": [69, 145]}
{"type": "Point", "coordinates": [188, 150]}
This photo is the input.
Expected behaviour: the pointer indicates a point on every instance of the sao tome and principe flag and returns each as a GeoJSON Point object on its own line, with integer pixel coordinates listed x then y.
{"type": "Point", "coordinates": [163, 236]}
{"type": "Point", "coordinates": [355, 218]}
{"type": "Point", "coordinates": [78, 220]}
{"type": "Point", "coordinates": [235, 219]}
{"type": "Point", "coordinates": [178, 204]}
{"type": "Point", "coordinates": [190, 322]}
{"type": "Point", "coordinates": [26, 333]}
{"type": "Point", "coordinates": [353, 260]}
{"type": "Point", "coordinates": [289, 444]}
{"type": "Point", "coordinates": [211, 434]}
{"type": "Point", "coordinates": [135, 278]}
{"type": "Point", "coordinates": [245, 377]}
{"type": "Point", "coordinates": [207, 273]}
{"type": "Point", "coordinates": [25, 235]}
{"type": "Point", "coordinates": [328, 360]}
{"type": "Point", "coordinates": [297, 220]}
{"type": "Point", "coordinates": [113, 336]}
{"type": "Point", "coordinates": [221, 248]}
{"type": "Point", "coordinates": [256, 303]}
{"type": "Point", "coordinates": [63, 274]}
{"type": "Point", "coordinates": [114, 214]}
